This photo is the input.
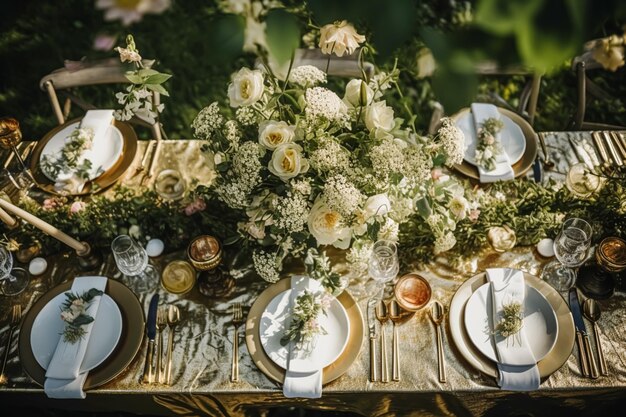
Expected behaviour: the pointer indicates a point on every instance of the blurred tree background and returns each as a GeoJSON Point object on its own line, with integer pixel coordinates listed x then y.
{"type": "Point", "coordinates": [200, 43]}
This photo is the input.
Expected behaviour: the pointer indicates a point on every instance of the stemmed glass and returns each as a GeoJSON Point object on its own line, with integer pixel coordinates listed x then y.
{"type": "Point", "coordinates": [570, 247]}
{"type": "Point", "coordinates": [12, 280]}
{"type": "Point", "coordinates": [131, 258]}
{"type": "Point", "coordinates": [383, 264]}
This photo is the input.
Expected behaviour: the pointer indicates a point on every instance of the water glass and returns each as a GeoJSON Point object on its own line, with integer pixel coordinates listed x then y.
{"type": "Point", "coordinates": [130, 257]}
{"type": "Point", "coordinates": [12, 280]}
{"type": "Point", "coordinates": [383, 263]}
{"type": "Point", "coordinates": [570, 248]}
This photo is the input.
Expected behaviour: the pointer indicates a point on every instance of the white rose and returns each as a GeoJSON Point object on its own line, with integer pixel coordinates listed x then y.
{"type": "Point", "coordinates": [377, 205]}
{"type": "Point", "coordinates": [287, 161]}
{"type": "Point", "coordinates": [352, 97]}
{"type": "Point", "coordinates": [458, 207]}
{"type": "Point", "coordinates": [379, 116]}
{"type": "Point", "coordinates": [327, 226]}
{"type": "Point", "coordinates": [338, 38]}
{"type": "Point", "coordinates": [272, 134]}
{"type": "Point", "coordinates": [246, 87]}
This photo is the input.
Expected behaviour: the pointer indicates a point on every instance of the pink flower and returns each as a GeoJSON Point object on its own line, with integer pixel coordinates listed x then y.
{"type": "Point", "coordinates": [473, 214]}
{"type": "Point", "coordinates": [195, 206]}
{"type": "Point", "coordinates": [77, 206]}
{"type": "Point", "coordinates": [104, 42]}
{"type": "Point", "coordinates": [50, 204]}
{"type": "Point", "coordinates": [436, 173]}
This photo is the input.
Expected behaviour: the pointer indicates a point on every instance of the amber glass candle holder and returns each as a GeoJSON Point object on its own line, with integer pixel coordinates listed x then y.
{"type": "Point", "coordinates": [206, 255]}
{"type": "Point", "coordinates": [598, 281]}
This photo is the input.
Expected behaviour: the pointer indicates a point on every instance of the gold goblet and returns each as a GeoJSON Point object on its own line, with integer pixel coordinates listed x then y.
{"type": "Point", "coordinates": [205, 254]}
{"type": "Point", "coordinates": [11, 136]}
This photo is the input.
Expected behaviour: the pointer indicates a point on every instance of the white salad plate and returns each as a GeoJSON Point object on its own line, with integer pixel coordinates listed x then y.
{"type": "Point", "coordinates": [328, 347]}
{"type": "Point", "coordinates": [540, 322]}
{"type": "Point", "coordinates": [105, 333]}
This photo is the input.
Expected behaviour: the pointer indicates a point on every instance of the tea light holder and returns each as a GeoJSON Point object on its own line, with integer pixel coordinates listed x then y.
{"type": "Point", "coordinates": [412, 292]}
{"type": "Point", "coordinates": [598, 281]}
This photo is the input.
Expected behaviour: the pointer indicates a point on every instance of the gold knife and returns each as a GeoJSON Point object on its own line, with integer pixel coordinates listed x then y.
{"type": "Point", "coordinates": [619, 145]}
{"type": "Point", "coordinates": [612, 151]}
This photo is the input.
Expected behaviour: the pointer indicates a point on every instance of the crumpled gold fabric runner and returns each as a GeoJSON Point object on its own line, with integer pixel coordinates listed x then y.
{"type": "Point", "coordinates": [203, 345]}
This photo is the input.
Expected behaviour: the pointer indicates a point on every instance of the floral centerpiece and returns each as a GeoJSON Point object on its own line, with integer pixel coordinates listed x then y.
{"type": "Point", "coordinates": [305, 166]}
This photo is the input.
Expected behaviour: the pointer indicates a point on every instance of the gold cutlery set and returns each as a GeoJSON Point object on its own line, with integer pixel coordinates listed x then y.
{"type": "Point", "coordinates": [611, 146]}
{"type": "Point", "coordinates": [160, 318]}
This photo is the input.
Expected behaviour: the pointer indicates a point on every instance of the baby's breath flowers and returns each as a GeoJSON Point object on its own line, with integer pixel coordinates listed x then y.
{"type": "Point", "coordinates": [488, 147]}
{"type": "Point", "coordinates": [512, 319]}
{"type": "Point", "coordinates": [73, 313]}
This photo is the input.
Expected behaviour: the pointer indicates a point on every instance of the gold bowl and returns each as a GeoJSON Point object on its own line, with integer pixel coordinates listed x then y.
{"type": "Point", "coordinates": [205, 253]}
{"type": "Point", "coordinates": [412, 292]}
{"type": "Point", "coordinates": [178, 277]}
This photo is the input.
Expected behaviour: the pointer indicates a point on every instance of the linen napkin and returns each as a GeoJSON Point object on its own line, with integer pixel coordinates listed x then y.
{"type": "Point", "coordinates": [503, 170]}
{"type": "Point", "coordinates": [517, 366]}
{"type": "Point", "coordinates": [63, 377]}
{"type": "Point", "coordinates": [301, 384]}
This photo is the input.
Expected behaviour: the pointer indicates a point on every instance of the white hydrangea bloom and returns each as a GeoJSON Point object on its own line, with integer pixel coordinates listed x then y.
{"type": "Point", "coordinates": [247, 164]}
{"type": "Point", "coordinates": [342, 196]}
{"type": "Point", "coordinates": [266, 265]}
{"type": "Point", "coordinates": [246, 116]}
{"type": "Point", "coordinates": [302, 186]}
{"type": "Point", "coordinates": [234, 194]}
{"type": "Point", "coordinates": [307, 76]}
{"type": "Point", "coordinates": [330, 157]}
{"type": "Point", "coordinates": [207, 121]}
{"type": "Point", "coordinates": [387, 158]}
{"type": "Point", "coordinates": [417, 164]}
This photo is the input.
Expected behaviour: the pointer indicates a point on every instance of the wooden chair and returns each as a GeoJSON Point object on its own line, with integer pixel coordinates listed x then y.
{"type": "Point", "coordinates": [527, 105]}
{"type": "Point", "coordinates": [64, 81]}
{"type": "Point", "coordinates": [586, 89]}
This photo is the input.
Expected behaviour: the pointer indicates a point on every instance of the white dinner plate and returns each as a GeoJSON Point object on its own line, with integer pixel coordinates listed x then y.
{"type": "Point", "coordinates": [511, 137]}
{"type": "Point", "coordinates": [540, 322]}
{"type": "Point", "coordinates": [105, 333]}
{"type": "Point", "coordinates": [103, 155]}
{"type": "Point", "coordinates": [274, 321]}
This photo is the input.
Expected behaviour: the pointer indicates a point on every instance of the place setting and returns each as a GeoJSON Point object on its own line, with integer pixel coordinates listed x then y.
{"type": "Point", "coordinates": [84, 156]}
{"type": "Point", "coordinates": [505, 150]}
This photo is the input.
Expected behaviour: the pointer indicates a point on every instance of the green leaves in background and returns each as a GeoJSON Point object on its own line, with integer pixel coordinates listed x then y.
{"type": "Point", "coordinates": [283, 35]}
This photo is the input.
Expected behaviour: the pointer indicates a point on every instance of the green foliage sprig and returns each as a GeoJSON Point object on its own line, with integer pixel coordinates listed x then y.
{"type": "Point", "coordinates": [305, 325]}
{"type": "Point", "coordinates": [512, 319]}
{"type": "Point", "coordinates": [68, 158]}
{"type": "Point", "coordinates": [488, 146]}
{"type": "Point", "coordinates": [73, 313]}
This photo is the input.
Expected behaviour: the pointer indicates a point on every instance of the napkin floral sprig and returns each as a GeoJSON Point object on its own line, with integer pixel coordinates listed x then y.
{"type": "Point", "coordinates": [73, 314]}
{"type": "Point", "coordinates": [305, 325]}
{"type": "Point", "coordinates": [68, 158]}
{"type": "Point", "coordinates": [512, 319]}
{"type": "Point", "coordinates": [488, 146]}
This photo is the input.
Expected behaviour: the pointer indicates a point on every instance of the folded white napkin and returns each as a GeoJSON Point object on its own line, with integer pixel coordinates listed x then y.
{"type": "Point", "coordinates": [301, 384]}
{"type": "Point", "coordinates": [99, 121]}
{"type": "Point", "coordinates": [63, 377]}
{"type": "Point", "coordinates": [517, 366]}
{"type": "Point", "coordinates": [503, 170]}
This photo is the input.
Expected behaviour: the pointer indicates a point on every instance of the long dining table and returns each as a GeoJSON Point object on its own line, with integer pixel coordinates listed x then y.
{"type": "Point", "coordinates": [203, 339]}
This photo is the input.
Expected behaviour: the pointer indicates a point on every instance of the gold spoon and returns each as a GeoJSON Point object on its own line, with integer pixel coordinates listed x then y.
{"type": "Point", "coordinates": [173, 317]}
{"type": "Point", "coordinates": [382, 316]}
{"type": "Point", "coordinates": [436, 315]}
{"type": "Point", "coordinates": [591, 309]}
{"type": "Point", "coordinates": [396, 317]}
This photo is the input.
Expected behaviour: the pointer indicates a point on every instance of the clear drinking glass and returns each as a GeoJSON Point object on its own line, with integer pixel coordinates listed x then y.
{"type": "Point", "coordinates": [12, 280]}
{"type": "Point", "coordinates": [383, 264]}
{"type": "Point", "coordinates": [131, 259]}
{"type": "Point", "coordinates": [570, 248]}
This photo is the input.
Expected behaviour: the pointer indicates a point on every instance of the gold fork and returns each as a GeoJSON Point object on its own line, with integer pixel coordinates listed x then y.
{"type": "Point", "coordinates": [161, 323]}
{"type": "Point", "coordinates": [16, 316]}
{"type": "Point", "coordinates": [237, 321]}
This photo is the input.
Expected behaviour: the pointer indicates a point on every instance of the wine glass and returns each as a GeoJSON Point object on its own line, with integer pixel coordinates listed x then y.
{"type": "Point", "coordinates": [570, 247]}
{"type": "Point", "coordinates": [12, 280]}
{"type": "Point", "coordinates": [132, 259]}
{"type": "Point", "coordinates": [383, 264]}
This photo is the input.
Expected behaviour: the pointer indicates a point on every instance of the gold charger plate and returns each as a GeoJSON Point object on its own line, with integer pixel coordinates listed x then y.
{"type": "Point", "coordinates": [525, 162]}
{"type": "Point", "coordinates": [275, 372]}
{"type": "Point", "coordinates": [549, 364]}
{"type": "Point", "coordinates": [105, 180]}
{"type": "Point", "coordinates": [130, 341]}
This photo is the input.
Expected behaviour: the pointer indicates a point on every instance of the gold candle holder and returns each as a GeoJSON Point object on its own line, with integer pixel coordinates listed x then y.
{"type": "Point", "coordinates": [611, 254]}
{"type": "Point", "coordinates": [205, 254]}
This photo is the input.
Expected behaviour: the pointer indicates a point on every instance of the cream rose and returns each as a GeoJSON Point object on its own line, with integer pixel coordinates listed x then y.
{"type": "Point", "coordinates": [377, 205]}
{"type": "Point", "coordinates": [339, 37]}
{"type": "Point", "coordinates": [272, 134]}
{"type": "Point", "coordinates": [352, 96]}
{"type": "Point", "coordinates": [379, 116]}
{"type": "Point", "coordinates": [287, 161]}
{"type": "Point", "coordinates": [246, 87]}
{"type": "Point", "coordinates": [458, 207]}
{"type": "Point", "coordinates": [327, 226]}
